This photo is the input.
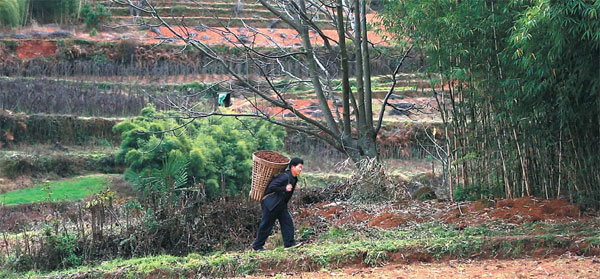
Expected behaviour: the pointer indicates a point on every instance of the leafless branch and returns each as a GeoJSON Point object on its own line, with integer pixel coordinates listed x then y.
{"type": "Point", "coordinates": [391, 91]}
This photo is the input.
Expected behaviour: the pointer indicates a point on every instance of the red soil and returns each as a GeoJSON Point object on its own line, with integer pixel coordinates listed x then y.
{"type": "Point", "coordinates": [525, 209]}
{"type": "Point", "coordinates": [388, 220]}
{"type": "Point", "coordinates": [323, 209]}
{"type": "Point", "coordinates": [515, 211]}
{"type": "Point", "coordinates": [271, 156]}
{"type": "Point", "coordinates": [555, 267]}
{"type": "Point", "coordinates": [357, 216]}
{"type": "Point", "coordinates": [36, 48]}
{"type": "Point", "coordinates": [330, 212]}
{"type": "Point", "coordinates": [259, 37]}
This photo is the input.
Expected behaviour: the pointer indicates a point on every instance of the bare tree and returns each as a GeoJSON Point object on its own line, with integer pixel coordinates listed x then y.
{"type": "Point", "coordinates": [347, 122]}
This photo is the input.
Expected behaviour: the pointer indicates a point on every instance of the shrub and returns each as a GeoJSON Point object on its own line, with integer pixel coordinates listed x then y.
{"type": "Point", "coordinates": [477, 191]}
{"type": "Point", "coordinates": [17, 166]}
{"type": "Point", "coordinates": [93, 17]}
{"type": "Point", "coordinates": [59, 164]}
{"type": "Point", "coordinates": [126, 51]}
{"type": "Point", "coordinates": [178, 10]}
{"type": "Point", "coordinates": [60, 250]}
{"type": "Point", "coordinates": [218, 152]}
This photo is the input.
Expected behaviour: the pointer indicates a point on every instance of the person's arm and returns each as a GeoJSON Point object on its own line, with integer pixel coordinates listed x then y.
{"type": "Point", "coordinates": [278, 184]}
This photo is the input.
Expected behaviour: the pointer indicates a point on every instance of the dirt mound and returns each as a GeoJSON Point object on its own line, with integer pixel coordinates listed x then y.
{"type": "Point", "coordinates": [323, 209]}
{"type": "Point", "coordinates": [516, 211]}
{"type": "Point", "coordinates": [525, 209]}
{"type": "Point", "coordinates": [389, 220]}
{"type": "Point", "coordinates": [347, 215]}
{"type": "Point", "coordinates": [357, 216]}
{"type": "Point", "coordinates": [532, 209]}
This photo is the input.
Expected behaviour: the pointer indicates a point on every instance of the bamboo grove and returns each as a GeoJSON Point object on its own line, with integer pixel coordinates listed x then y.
{"type": "Point", "coordinates": [21, 12]}
{"type": "Point", "coordinates": [522, 105]}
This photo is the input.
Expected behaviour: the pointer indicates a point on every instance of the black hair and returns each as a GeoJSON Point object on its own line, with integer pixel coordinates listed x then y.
{"type": "Point", "coordinates": [295, 161]}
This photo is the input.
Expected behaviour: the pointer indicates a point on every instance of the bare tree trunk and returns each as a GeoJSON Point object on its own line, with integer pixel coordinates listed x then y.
{"type": "Point", "coordinates": [26, 15]}
{"type": "Point", "coordinates": [362, 122]}
{"type": "Point", "coordinates": [366, 65]}
{"type": "Point", "coordinates": [449, 164]}
{"type": "Point", "coordinates": [559, 163]}
{"type": "Point", "coordinates": [315, 75]}
{"type": "Point", "coordinates": [344, 66]}
{"type": "Point", "coordinates": [79, 8]}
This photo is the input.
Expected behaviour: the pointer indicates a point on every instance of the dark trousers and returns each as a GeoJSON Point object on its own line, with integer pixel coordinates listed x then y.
{"type": "Point", "coordinates": [281, 213]}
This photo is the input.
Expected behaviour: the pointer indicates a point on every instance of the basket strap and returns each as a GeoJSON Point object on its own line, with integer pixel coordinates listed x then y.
{"type": "Point", "coordinates": [263, 198]}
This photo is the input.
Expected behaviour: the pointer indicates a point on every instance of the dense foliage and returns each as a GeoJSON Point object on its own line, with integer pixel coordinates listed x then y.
{"type": "Point", "coordinates": [96, 15]}
{"type": "Point", "coordinates": [54, 10]}
{"type": "Point", "coordinates": [20, 12]}
{"type": "Point", "coordinates": [522, 111]}
{"type": "Point", "coordinates": [13, 12]}
{"type": "Point", "coordinates": [215, 152]}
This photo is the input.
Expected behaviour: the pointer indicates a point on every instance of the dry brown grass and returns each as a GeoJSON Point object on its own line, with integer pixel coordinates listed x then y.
{"type": "Point", "coordinates": [20, 182]}
{"type": "Point", "coordinates": [122, 187]}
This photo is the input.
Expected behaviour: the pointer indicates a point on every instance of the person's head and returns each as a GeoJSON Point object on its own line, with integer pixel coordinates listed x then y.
{"type": "Point", "coordinates": [296, 165]}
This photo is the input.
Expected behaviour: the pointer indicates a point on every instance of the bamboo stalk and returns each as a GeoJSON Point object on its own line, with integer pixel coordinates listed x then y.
{"type": "Point", "coordinates": [559, 163]}
{"type": "Point", "coordinates": [523, 166]}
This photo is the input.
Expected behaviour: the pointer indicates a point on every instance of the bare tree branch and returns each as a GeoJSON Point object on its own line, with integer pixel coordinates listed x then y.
{"type": "Point", "coordinates": [391, 91]}
{"type": "Point", "coordinates": [290, 21]}
{"type": "Point", "coordinates": [275, 69]}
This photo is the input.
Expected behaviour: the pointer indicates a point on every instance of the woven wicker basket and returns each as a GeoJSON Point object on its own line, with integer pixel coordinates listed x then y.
{"type": "Point", "coordinates": [264, 170]}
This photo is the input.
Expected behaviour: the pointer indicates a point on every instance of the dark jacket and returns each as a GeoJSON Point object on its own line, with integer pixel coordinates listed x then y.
{"type": "Point", "coordinates": [275, 192]}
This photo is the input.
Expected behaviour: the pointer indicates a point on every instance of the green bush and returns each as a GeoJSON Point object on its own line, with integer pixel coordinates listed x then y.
{"type": "Point", "coordinates": [126, 51]}
{"type": "Point", "coordinates": [95, 16]}
{"type": "Point", "coordinates": [477, 191]}
{"type": "Point", "coordinates": [58, 250]}
{"type": "Point", "coordinates": [216, 152]}
{"type": "Point", "coordinates": [18, 260]}
{"type": "Point", "coordinates": [178, 10]}
{"type": "Point", "coordinates": [11, 45]}
{"type": "Point", "coordinates": [58, 164]}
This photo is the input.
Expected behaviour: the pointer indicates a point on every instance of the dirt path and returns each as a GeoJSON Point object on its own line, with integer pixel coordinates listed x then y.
{"type": "Point", "coordinates": [561, 267]}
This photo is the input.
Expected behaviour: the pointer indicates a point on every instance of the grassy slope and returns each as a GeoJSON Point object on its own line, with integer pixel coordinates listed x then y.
{"type": "Point", "coordinates": [63, 190]}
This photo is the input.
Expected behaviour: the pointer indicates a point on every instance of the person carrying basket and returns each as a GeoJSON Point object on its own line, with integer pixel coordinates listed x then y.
{"type": "Point", "coordinates": [274, 206]}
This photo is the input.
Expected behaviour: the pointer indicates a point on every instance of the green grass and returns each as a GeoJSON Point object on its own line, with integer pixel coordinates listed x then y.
{"type": "Point", "coordinates": [62, 190]}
